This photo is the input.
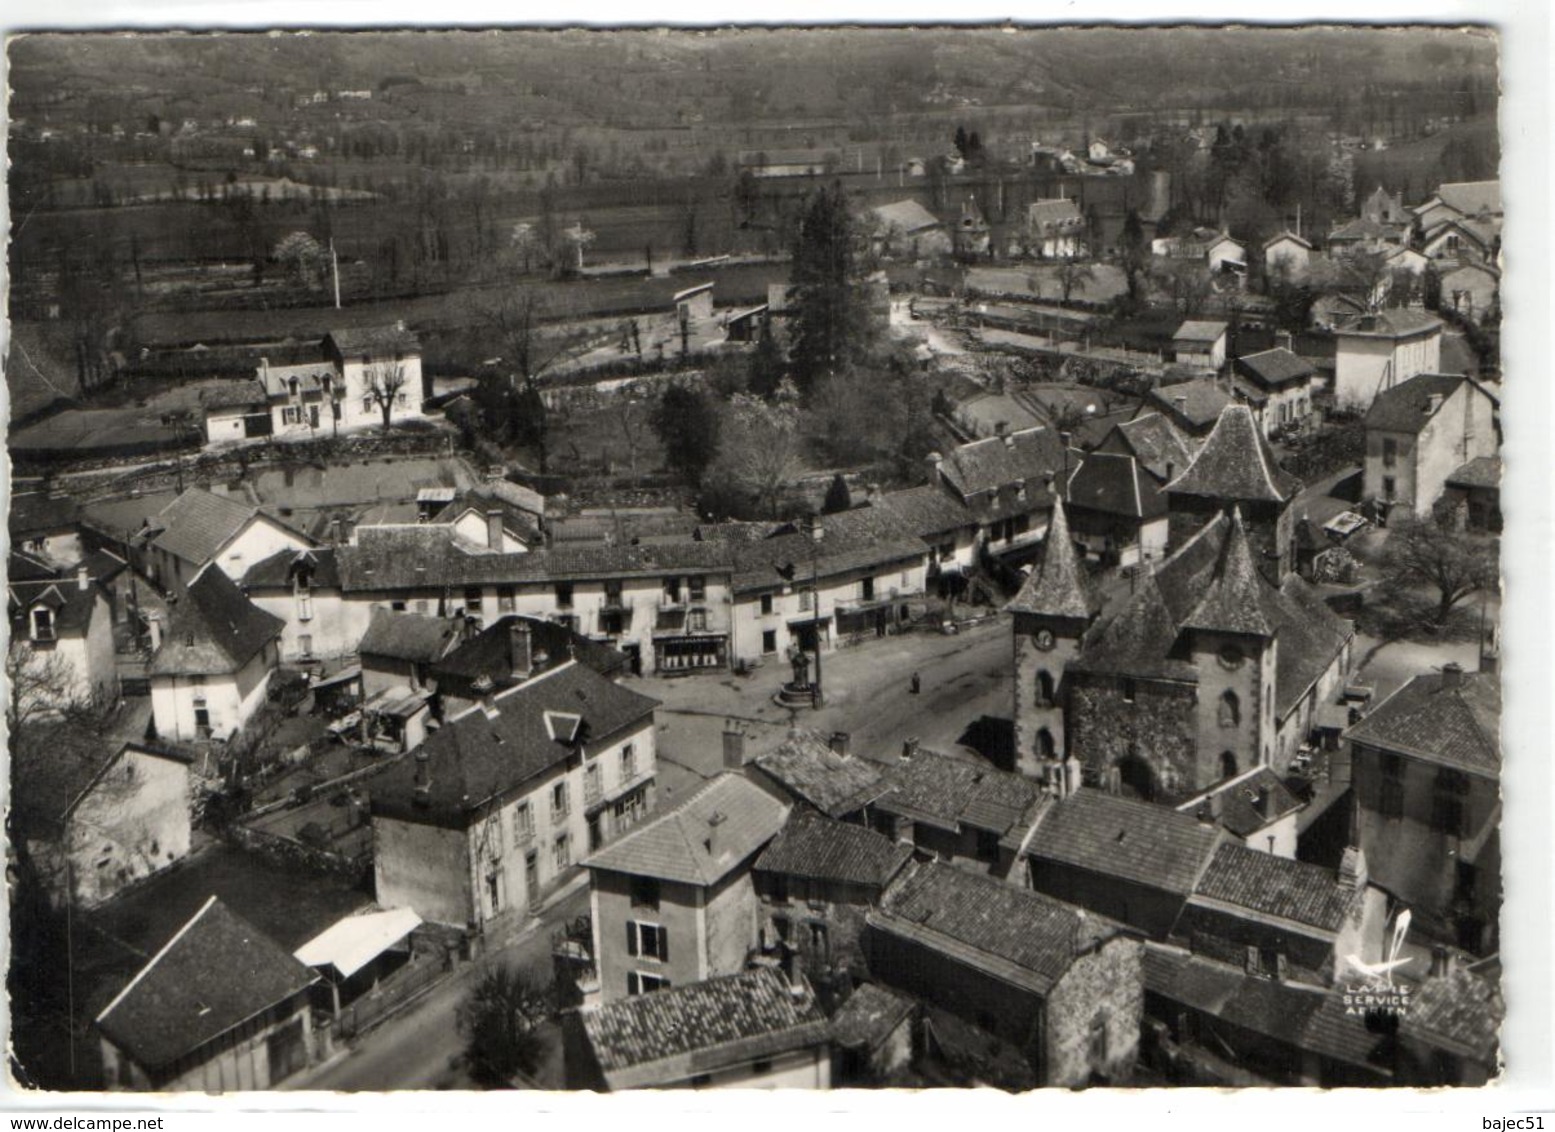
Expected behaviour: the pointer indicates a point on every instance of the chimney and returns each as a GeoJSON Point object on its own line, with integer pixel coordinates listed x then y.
{"type": "Point", "coordinates": [494, 530]}
{"type": "Point", "coordinates": [910, 747]}
{"type": "Point", "coordinates": [1279, 967]}
{"type": "Point", "coordinates": [423, 793]}
{"type": "Point", "coordinates": [1182, 405]}
{"type": "Point", "coordinates": [1441, 961]}
{"type": "Point", "coordinates": [1489, 652]}
{"type": "Point", "coordinates": [520, 658]}
{"type": "Point", "coordinates": [713, 822]}
{"type": "Point", "coordinates": [1264, 802]}
{"type": "Point", "coordinates": [1283, 339]}
{"type": "Point", "coordinates": [1171, 471]}
{"type": "Point", "coordinates": [798, 990]}
{"type": "Point", "coordinates": [154, 627]}
{"type": "Point", "coordinates": [1352, 868]}
{"type": "Point", "coordinates": [83, 579]}
{"type": "Point", "coordinates": [1452, 674]}
{"type": "Point", "coordinates": [1114, 780]}
{"type": "Point", "coordinates": [839, 743]}
{"type": "Point", "coordinates": [1217, 804]}
{"type": "Point", "coordinates": [734, 745]}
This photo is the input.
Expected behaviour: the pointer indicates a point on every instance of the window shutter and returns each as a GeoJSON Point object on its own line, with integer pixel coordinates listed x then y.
{"type": "Point", "coordinates": [631, 938]}
{"type": "Point", "coordinates": [632, 986]}
{"type": "Point", "coordinates": [664, 944]}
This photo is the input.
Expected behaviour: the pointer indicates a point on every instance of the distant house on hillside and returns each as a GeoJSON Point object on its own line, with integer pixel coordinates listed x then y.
{"type": "Point", "coordinates": [1056, 228]}
{"type": "Point", "coordinates": [909, 230]}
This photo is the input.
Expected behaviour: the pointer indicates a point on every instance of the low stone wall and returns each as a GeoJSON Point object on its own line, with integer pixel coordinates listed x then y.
{"type": "Point", "coordinates": [286, 853]}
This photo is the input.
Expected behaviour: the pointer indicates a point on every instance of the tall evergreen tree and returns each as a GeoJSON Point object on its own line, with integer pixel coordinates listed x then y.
{"type": "Point", "coordinates": [838, 497]}
{"type": "Point", "coordinates": [830, 317]}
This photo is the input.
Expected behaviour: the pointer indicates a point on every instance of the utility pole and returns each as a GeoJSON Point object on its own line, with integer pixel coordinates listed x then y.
{"type": "Point", "coordinates": [815, 531]}
{"type": "Point", "coordinates": [334, 259]}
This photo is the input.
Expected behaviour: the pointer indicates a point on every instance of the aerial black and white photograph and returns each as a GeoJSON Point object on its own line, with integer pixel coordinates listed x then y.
{"type": "Point", "coordinates": [760, 558]}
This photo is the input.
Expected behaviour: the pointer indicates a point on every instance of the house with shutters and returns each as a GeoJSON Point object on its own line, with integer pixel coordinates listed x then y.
{"type": "Point", "coordinates": [61, 650]}
{"type": "Point", "coordinates": [510, 651]}
{"type": "Point", "coordinates": [1056, 228]}
{"type": "Point", "coordinates": [1420, 432]}
{"type": "Point", "coordinates": [1427, 772]}
{"type": "Point", "coordinates": [1007, 483]}
{"type": "Point", "coordinates": [1376, 351]}
{"type": "Point", "coordinates": [674, 901]}
{"type": "Point", "coordinates": [302, 589]}
{"type": "Point", "coordinates": [1280, 382]}
{"type": "Point", "coordinates": [758, 1029]}
{"type": "Point", "coordinates": [200, 528]}
{"type": "Point", "coordinates": [1116, 510]}
{"type": "Point", "coordinates": [499, 804]}
{"type": "Point", "coordinates": [211, 669]}
{"type": "Point", "coordinates": [1061, 985]}
{"type": "Point", "coordinates": [185, 1023]}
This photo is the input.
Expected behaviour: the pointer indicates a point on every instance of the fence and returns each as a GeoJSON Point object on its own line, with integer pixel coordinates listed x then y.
{"type": "Point", "coordinates": [393, 994]}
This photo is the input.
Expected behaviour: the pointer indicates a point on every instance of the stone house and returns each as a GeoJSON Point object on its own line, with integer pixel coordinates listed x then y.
{"type": "Point", "coordinates": [61, 650]}
{"type": "Point", "coordinates": [93, 825]}
{"type": "Point", "coordinates": [1006, 483]}
{"type": "Point", "coordinates": [758, 1029]}
{"type": "Point", "coordinates": [1282, 381]}
{"type": "Point", "coordinates": [1119, 857]}
{"type": "Point", "coordinates": [496, 807]}
{"type": "Point", "coordinates": [200, 527]}
{"type": "Point", "coordinates": [1377, 351]}
{"type": "Point", "coordinates": [1427, 769]}
{"type": "Point", "coordinates": [211, 670]}
{"type": "Point", "coordinates": [185, 1024]}
{"type": "Point", "coordinates": [1064, 986]}
{"type": "Point", "coordinates": [673, 902]}
{"type": "Point", "coordinates": [1419, 432]}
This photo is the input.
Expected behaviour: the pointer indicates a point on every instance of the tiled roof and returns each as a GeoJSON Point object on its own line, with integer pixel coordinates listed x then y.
{"type": "Point", "coordinates": [1460, 1012]}
{"type": "Point", "coordinates": [1394, 323]}
{"type": "Point", "coordinates": [374, 341]}
{"type": "Point", "coordinates": [1276, 367]}
{"type": "Point", "coordinates": [279, 570]}
{"type": "Point", "coordinates": [35, 513]}
{"type": "Point", "coordinates": [1472, 198]}
{"type": "Point", "coordinates": [928, 510]}
{"type": "Point", "coordinates": [702, 1026]}
{"type": "Point", "coordinates": [488, 652]}
{"type": "Point", "coordinates": [1454, 720]}
{"type": "Point", "coordinates": [864, 537]}
{"type": "Point", "coordinates": [1115, 484]}
{"type": "Point", "coordinates": [949, 792]}
{"type": "Point", "coordinates": [1290, 236]}
{"type": "Point", "coordinates": [199, 523]}
{"type": "Point", "coordinates": [1235, 594]}
{"type": "Point", "coordinates": [1407, 406]}
{"type": "Point", "coordinates": [1239, 811]}
{"type": "Point", "coordinates": [233, 395]}
{"type": "Point", "coordinates": [705, 836]}
{"type": "Point", "coordinates": [213, 630]}
{"type": "Point", "coordinates": [1135, 639]}
{"type": "Point", "coordinates": [1125, 838]}
{"type": "Point", "coordinates": [475, 757]}
{"type": "Point", "coordinates": [1157, 444]}
{"type": "Point", "coordinates": [868, 1017]}
{"type": "Point", "coordinates": [216, 973]}
{"type": "Point", "coordinates": [1201, 401]}
{"type": "Point", "coordinates": [1236, 463]}
{"type": "Point", "coordinates": [1311, 635]}
{"type": "Point", "coordinates": [817, 847]}
{"type": "Point", "coordinates": [1199, 331]}
{"type": "Point", "coordinates": [46, 783]}
{"type": "Point", "coordinates": [1021, 937]}
{"type": "Point", "coordinates": [409, 636]}
{"type": "Point", "coordinates": [1482, 471]}
{"type": "Point", "coordinates": [807, 767]}
{"type": "Point", "coordinates": [905, 215]}
{"type": "Point", "coordinates": [1057, 586]}
{"type": "Point", "coordinates": [1029, 455]}
{"type": "Point", "coordinates": [1277, 886]}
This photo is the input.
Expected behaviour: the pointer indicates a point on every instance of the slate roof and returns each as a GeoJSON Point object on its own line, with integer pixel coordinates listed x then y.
{"type": "Point", "coordinates": [487, 653]}
{"type": "Point", "coordinates": [1277, 886]}
{"type": "Point", "coordinates": [1460, 1012]}
{"type": "Point", "coordinates": [1397, 322]}
{"type": "Point", "coordinates": [47, 783]}
{"type": "Point", "coordinates": [1304, 1017]}
{"type": "Point", "coordinates": [1274, 368]}
{"type": "Point", "coordinates": [905, 215]}
{"type": "Point", "coordinates": [1030, 454]}
{"type": "Point", "coordinates": [817, 847]}
{"type": "Point", "coordinates": [73, 607]}
{"type": "Point", "coordinates": [1115, 484]}
{"type": "Point", "coordinates": [214, 630]}
{"type": "Point", "coordinates": [654, 1039]}
{"type": "Point", "coordinates": [234, 395]}
{"type": "Point", "coordinates": [1431, 718]}
{"type": "Point", "coordinates": [1200, 330]}
{"type": "Point", "coordinates": [807, 767]}
{"type": "Point", "coordinates": [374, 341]}
{"type": "Point", "coordinates": [1060, 212]}
{"type": "Point", "coordinates": [473, 758]}
{"type": "Point", "coordinates": [863, 537]}
{"type": "Point", "coordinates": [1239, 812]}
{"type": "Point", "coordinates": [1235, 596]}
{"type": "Point", "coordinates": [34, 514]}
{"type": "Point", "coordinates": [1021, 937]}
{"type": "Point", "coordinates": [1407, 406]}
{"type": "Point", "coordinates": [409, 636]}
{"type": "Point", "coordinates": [1472, 198]}
{"type": "Point", "coordinates": [1202, 401]}
{"type": "Point", "coordinates": [1482, 471]}
{"type": "Point", "coordinates": [217, 972]}
{"type": "Point", "coordinates": [1057, 586]}
{"type": "Point", "coordinates": [276, 572]}
{"type": "Point", "coordinates": [940, 790]}
{"type": "Point", "coordinates": [676, 844]}
{"type": "Point", "coordinates": [868, 1017]}
{"type": "Point", "coordinates": [1311, 635]}
{"type": "Point", "coordinates": [927, 511]}
{"type": "Point", "coordinates": [1126, 838]}
{"type": "Point", "coordinates": [199, 523]}
{"type": "Point", "coordinates": [1135, 639]}
{"type": "Point", "coordinates": [1236, 462]}
{"type": "Point", "coordinates": [1157, 444]}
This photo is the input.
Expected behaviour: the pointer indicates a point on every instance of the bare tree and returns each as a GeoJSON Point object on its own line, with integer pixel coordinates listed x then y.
{"type": "Point", "coordinates": [385, 380]}
{"type": "Point", "coordinates": [1073, 273]}
{"type": "Point", "coordinates": [41, 684]}
{"type": "Point", "coordinates": [1429, 553]}
{"type": "Point", "coordinates": [762, 441]}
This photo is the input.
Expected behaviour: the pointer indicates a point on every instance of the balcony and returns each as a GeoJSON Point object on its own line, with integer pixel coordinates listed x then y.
{"type": "Point", "coordinates": [688, 618]}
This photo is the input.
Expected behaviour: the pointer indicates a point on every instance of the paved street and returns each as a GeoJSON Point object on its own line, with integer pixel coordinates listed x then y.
{"type": "Point", "coordinates": [419, 1049]}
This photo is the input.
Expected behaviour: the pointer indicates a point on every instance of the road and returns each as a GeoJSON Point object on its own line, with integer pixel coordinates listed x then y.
{"type": "Point", "coordinates": [419, 1049]}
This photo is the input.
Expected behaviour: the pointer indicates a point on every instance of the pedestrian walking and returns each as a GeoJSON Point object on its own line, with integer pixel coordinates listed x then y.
{"type": "Point", "coordinates": [916, 683]}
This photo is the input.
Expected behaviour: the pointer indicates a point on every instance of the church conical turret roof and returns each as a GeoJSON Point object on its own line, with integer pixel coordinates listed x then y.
{"type": "Point", "coordinates": [1236, 463]}
{"type": "Point", "coordinates": [1235, 599]}
{"type": "Point", "coordinates": [1057, 586]}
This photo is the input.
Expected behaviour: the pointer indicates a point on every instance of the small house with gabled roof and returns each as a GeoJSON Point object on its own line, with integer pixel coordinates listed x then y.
{"type": "Point", "coordinates": [200, 527]}
{"type": "Point", "coordinates": [220, 1008]}
{"type": "Point", "coordinates": [1419, 432]}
